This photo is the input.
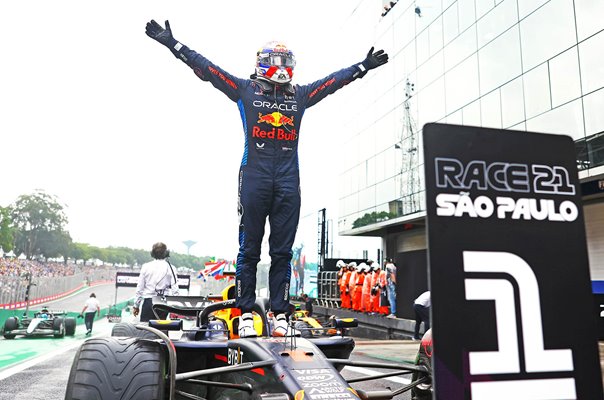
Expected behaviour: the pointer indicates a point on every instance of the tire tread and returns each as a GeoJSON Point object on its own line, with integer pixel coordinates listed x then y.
{"type": "Point", "coordinates": [117, 368]}
{"type": "Point", "coordinates": [127, 329]}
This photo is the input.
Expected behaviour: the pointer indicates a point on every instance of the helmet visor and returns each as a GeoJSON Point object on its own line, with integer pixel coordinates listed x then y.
{"type": "Point", "coordinates": [278, 60]}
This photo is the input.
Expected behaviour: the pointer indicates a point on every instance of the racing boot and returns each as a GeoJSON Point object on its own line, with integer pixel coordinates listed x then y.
{"type": "Point", "coordinates": [246, 326]}
{"type": "Point", "coordinates": [282, 327]}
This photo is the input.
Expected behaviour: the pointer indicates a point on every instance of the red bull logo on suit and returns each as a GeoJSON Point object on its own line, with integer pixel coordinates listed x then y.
{"type": "Point", "coordinates": [275, 133]}
{"type": "Point", "coordinates": [276, 119]}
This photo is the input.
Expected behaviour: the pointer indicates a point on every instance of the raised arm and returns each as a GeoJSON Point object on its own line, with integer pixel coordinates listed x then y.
{"type": "Point", "coordinates": [320, 89]}
{"type": "Point", "coordinates": [203, 68]}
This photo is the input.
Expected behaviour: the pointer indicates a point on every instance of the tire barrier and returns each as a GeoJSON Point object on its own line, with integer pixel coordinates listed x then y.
{"type": "Point", "coordinates": [329, 291]}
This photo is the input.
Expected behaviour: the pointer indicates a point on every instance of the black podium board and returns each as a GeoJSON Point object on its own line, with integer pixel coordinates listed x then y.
{"type": "Point", "coordinates": [512, 303]}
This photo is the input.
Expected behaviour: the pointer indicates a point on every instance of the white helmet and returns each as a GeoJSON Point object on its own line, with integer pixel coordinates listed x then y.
{"type": "Point", "coordinates": [340, 264]}
{"type": "Point", "coordinates": [275, 62]}
{"type": "Point", "coordinates": [352, 265]}
{"type": "Point", "coordinates": [362, 267]}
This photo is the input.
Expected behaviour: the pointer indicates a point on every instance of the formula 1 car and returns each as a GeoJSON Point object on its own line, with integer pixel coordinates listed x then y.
{"type": "Point", "coordinates": [207, 362]}
{"type": "Point", "coordinates": [310, 326]}
{"type": "Point", "coordinates": [43, 323]}
{"type": "Point", "coordinates": [424, 390]}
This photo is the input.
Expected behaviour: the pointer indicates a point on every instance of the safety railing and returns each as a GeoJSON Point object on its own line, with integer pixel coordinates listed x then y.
{"type": "Point", "coordinates": [329, 291]}
{"type": "Point", "coordinates": [13, 288]}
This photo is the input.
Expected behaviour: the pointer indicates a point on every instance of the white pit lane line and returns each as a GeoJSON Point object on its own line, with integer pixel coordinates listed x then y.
{"type": "Point", "coordinates": [370, 372]}
{"type": "Point", "coordinates": [34, 361]}
{"type": "Point", "coordinates": [10, 371]}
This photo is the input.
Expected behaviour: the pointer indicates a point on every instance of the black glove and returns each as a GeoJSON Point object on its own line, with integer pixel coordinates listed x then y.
{"type": "Point", "coordinates": [80, 316]}
{"type": "Point", "coordinates": [163, 36]}
{"type": "Point", "coordinates": [372, 61]}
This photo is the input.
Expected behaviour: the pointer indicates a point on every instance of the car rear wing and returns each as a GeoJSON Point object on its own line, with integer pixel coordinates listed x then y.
{"type": "Point", "coordinates": [188, 306]}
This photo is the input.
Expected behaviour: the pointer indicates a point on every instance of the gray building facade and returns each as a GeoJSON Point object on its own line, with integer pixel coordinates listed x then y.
{"type": "Point", "coordinates": [527, 65]}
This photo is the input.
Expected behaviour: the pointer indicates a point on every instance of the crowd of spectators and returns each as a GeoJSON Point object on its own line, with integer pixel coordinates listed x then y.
{"type": "Point", "coordinates": [17, 267]}
{"type": "Point", "coordinates": [49, 277]}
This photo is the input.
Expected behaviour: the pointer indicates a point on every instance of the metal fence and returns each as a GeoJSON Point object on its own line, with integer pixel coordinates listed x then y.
{"type": "Point", "coordinates": [13, 288]}
{"type": "Point", "coordinates": [329, 291]}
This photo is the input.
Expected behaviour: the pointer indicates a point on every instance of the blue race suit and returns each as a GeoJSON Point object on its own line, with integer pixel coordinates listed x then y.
{"type": "Point", "coordinates": [269, 182]}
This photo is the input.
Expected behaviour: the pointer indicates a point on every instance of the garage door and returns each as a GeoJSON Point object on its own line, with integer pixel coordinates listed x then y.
{"type": "Point", "coordinates": [412, 240]}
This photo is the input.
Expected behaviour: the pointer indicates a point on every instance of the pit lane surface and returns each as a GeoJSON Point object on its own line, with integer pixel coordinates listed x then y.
{"type": "Point", "coordinates": [38, 368]}
{"type": "Point", "coordinates": [21, 348]}
{"type": "Point", "coordinates": [104, 293]}
{"type": "Point", "coordinates": [43, 376]}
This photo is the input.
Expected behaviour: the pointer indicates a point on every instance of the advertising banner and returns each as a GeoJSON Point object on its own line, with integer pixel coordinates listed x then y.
{"type": "Point", "coordinates": [512, 305]}
{"type": "Point", "coordinates": [130, 279]}
{"type": "Point", "coordinates": [304, 270]}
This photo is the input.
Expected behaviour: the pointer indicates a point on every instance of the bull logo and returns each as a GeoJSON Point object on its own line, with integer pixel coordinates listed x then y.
{"type": "Point", "coordinates": [276, 119]}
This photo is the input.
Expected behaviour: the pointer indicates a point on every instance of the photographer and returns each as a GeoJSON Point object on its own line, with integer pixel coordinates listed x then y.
{"type": "Point", "coordinates": [307, 304]}
{"type": "Point", "coordinates": [157, 278]}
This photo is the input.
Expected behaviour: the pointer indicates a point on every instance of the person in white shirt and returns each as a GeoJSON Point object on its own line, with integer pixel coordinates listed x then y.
{"type": "Point", "coordinates": [422, 305]}
{"type": "Point", "coordinates": [91, 307]}
{"type": "Point", "coordinates": [157, 278]}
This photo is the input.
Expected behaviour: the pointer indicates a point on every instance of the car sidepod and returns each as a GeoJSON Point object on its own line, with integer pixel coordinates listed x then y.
{"type": "Point", "coordinates": [301, 369]}
{"type": "Point", "coordinates": [34, 324]}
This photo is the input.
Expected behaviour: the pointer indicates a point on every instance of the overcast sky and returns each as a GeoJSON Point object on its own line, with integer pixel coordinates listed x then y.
{"type": "Point", "coordinates": [132, 142]}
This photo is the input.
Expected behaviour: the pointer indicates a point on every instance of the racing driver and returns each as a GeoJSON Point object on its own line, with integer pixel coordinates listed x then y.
{"type": "Point", "coordinates": [271, 110]}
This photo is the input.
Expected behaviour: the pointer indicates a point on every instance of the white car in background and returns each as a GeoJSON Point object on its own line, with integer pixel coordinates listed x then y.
{"type": "Point", "coordinates": [44, 322]}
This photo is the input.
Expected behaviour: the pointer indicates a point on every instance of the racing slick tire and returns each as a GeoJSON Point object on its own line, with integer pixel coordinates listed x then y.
{"type": "Point", "coordinates": [70, 326]}
{"type": "Point", "coordinates": [304, 328]}
{"type": "Point", "coordinates": [424, 390]}
{"type": "Point", "coordinates": [118, 368]}
{"type": "Point", "coordinates": [10, 324]}
{"type": "Point", "coordinates": [126, 329]}
{"type": "Point", "coordinates": [58, 326]}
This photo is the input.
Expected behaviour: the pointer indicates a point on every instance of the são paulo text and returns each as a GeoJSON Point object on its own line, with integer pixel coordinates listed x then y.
{"type": "Point", "coordinates": [456, 205]}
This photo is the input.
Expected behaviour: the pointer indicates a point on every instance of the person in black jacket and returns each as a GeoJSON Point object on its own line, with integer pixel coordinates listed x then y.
{"type": "Point", "coordinates": [307, 304]}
